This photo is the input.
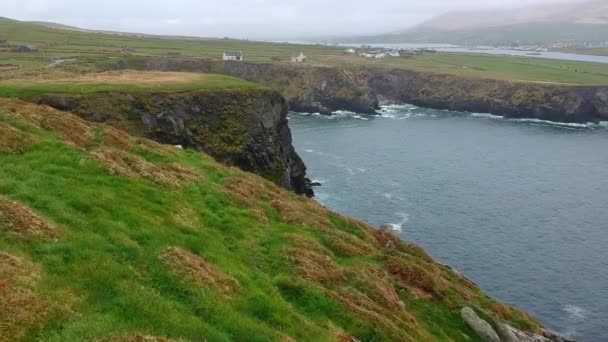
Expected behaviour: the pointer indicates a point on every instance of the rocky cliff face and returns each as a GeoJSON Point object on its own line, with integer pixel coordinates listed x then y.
{"type": "Point", "coordinates": [244, 128]}
{"type": "Point", "coordinates": [510, 99]}
{"type": "Point", "coordinates": [318, 89]}
{"type": "Point", "coordinates": [324, 90]}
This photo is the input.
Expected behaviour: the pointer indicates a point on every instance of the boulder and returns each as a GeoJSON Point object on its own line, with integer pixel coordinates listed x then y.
{"type": "Point", "coordinates": [482, 328]}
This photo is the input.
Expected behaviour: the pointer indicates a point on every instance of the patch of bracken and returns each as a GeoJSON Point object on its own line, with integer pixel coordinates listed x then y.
{"type": "Point", "coordinates": [72, 129]}
{"type": "Point", "coordinates": [21, 308]}
{"type": "Point", "coordinates": [313, 262]}
{"type": "Point", "coordinates": [377, 285]}
{"type": "Point", "coordinates": [347, 245]}
{"type": "Point", "coordinates": [124, 164]}
{"type": "Point", "coordinates": [399, 327]}
{"type": "Point", "coordinates": [409, 274]}
{"type": "Point", "coordinates": [115, 138]}
{"type": "Point", "coordinates": [13, 141]}
{"type": "Point", "coordinates": [195, 269]}
{"type": "Point", "coordinates": [19, 221]}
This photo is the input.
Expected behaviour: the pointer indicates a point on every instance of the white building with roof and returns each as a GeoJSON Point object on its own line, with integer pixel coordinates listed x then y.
{"type": "Point", "coordinates": [233, 56]}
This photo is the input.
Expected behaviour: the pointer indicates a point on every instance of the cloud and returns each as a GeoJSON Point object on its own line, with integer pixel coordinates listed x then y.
{"type": "Point", "coordinates": [245, 18]}
{"type": "Point", "coordinates": [172, 21]}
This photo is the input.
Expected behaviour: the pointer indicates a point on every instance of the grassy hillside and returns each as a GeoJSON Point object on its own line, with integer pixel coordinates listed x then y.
{"type": "Point", "coordinates": [108, 237]}
{"type": "Point", "coordinates": [122, 81]}
{"type": "Point", "coordinates": [93, 48]}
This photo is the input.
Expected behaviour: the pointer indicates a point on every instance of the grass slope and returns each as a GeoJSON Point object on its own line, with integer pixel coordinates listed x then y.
{"type": "Point", "coordinates": [94, 48]}
{"type": "Point", "coordinates": [122, 81]}
{"type": "Point", "coordinates": [112, 238]}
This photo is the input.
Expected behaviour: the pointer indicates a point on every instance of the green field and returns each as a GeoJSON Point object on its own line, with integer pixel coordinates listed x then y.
{"type": "Point", "coordinates": [122, 81]}
{"type": "Point", "coordinates": [94, 47]}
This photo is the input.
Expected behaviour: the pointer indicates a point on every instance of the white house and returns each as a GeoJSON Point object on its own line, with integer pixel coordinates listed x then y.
{"type": "Point", "coordinates": [298, 59]}
{"type": "Point", "coordinates": [233, 56]}
{"type": "Point", "coordinates": [373, 54]}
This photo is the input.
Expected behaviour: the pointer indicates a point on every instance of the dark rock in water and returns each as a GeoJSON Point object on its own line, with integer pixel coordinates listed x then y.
{"type": "Point", "coordinates": [314, 184]}
{"type": "Point", "coordinates": [245, 128]}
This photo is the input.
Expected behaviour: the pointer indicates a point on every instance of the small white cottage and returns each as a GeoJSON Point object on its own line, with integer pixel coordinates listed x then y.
{"type": "Point", "coordinates": [233, 56]}
{"type": "Point", "coordinates": [299, 58]}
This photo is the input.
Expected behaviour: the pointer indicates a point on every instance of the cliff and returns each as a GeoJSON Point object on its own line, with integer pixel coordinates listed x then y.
{"type": "Point", "coordinates": [318, 89]}
{"type": "Point", "coordinates": [324, 90]}
{"type": "Point", "coordinates": [110, 237]}
{"type": "Point", "coordinates": [245, 127]}
{"type": "Point", "coordinates": [510, 99]}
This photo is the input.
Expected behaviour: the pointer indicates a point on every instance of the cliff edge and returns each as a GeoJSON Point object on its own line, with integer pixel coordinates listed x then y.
{"type": "Point", "coordinates": [326, 89]}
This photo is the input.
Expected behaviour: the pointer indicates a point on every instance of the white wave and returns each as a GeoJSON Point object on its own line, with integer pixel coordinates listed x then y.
{"type": "Point", "coordinates": [362, 170]}
{"type": "Point", "coordinates": [344, 112]}
{"type": "Point", "coordinates": [575, 312]}
{"type": "Point", "coordinates": [487, 116]}
{"type": "Point", "coordinates": [320, 181]}
{"type": "Point", "coordinates": [309, 151]}
{"type": "Point", "coordinates": [554, 123]}
{"type": "Point", "coordinates": [388, 196]}
{"type": "Point", "coordinates": [398, 227]}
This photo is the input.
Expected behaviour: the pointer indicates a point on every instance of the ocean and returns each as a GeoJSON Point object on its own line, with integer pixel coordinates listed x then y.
{"type": "Point", "coordinates": [518, 206]}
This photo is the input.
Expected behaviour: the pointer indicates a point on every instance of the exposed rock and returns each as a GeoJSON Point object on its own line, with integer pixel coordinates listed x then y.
{"type": "Point", "coordinates": [482, 328]}
{"type": "Point", "coordinates": [25, 48]}
{"type": "Point", "coordinates": [509, 333]}
{"type": "Point", "coordinates": [247, 129]}
{"type": "Point", "coordinates": [506, 334]}
{"type": "Point", "coordinates": [325, 90]}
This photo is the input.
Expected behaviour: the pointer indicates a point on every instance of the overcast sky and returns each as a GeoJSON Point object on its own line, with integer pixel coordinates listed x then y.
{"type": "Point", "coordinates": [255, 19]}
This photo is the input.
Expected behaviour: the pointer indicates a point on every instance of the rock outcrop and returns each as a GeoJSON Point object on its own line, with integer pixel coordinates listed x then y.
{"type": "Point", "coordinates": [317, 89]}
{"type": "Point", "coordinates": [482, 328]}
{"type": "Point", "coordinates": [326, 89]}
{"type": "Point", "coordinates": [509, 99]}
{"type": "Point", "coordinates": [244, 128]}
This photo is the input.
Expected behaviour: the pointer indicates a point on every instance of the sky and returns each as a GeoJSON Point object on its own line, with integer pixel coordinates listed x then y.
{"type": "Point", "coordinates": [249, 19]}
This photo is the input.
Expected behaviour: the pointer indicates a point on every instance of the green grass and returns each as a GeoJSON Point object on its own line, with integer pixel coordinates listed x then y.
{"type": "Point", "coordinates": [103, 276]}
{"type": "Point", "coordinates": [100, 48]}
{"type": "Point", "coordinates": [131, 82]}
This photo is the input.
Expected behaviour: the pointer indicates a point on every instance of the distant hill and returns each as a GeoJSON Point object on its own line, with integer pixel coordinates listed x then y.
{"type": "Point", "coordinates": [570, 22]}
{"type": "Point", "coordinates": [55, 25]}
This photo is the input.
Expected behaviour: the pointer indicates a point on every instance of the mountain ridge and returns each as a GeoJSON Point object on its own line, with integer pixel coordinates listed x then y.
{"type": "Point", "coordinates": [570, 23]}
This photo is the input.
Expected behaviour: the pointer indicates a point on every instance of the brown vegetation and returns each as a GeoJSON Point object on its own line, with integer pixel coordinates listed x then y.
{"type": "Point", "coordinates": [12, 140]}
{"type": "Point", "coordinates": [303, 211]}
{"type": "Point", "coordinates": [116, 138]}
{"type": "Point", "coordinates": [124, 164]}
{"type": "Point", "coordinates": [73, 130]}
{"type": "Point", "coordinates": [376, 284]}
{"type": "Point", "coordinates": [312, 262]}
{"type": "Point", "coordinates": [21, 308]}
{"type": "Point", "coordinates": [401, 327]}
{"type": "Point", "coordinates": [195, 269]}
{"type": "Point", "coordinates": [18, 220]}
{"type": "Point", "coordinates": [347, 245]}
{"type": "Point", "coordinates": [136, 338]}
{"type": "Point", "coordinates": [154, 147]}
{"type": "Point", "coordinates": [422, 281]}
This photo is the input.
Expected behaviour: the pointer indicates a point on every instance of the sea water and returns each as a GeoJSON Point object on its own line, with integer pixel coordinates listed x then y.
{"type": "Point", "coordinates": [518, 206]}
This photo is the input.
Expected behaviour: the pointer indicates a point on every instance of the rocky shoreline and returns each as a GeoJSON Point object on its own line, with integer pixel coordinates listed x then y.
{"type": "Point", "coordinates": [326, 89]}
